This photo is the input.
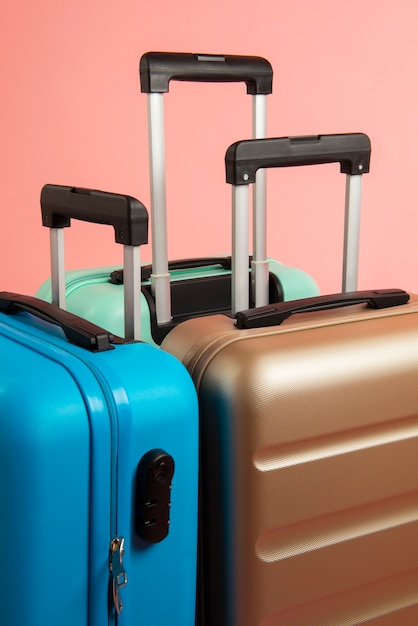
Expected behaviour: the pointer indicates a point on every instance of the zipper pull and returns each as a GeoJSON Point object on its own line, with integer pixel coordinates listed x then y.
{"type": "Point", "coordinates": [119, 576]}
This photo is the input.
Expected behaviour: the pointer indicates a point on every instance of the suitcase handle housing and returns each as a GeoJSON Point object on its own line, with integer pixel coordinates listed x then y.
{"type": "Point", "coordinates": [244, 158]}
{"type": "Point", "coordinates": [127, 215]}
{"type": "Point", "coordinates": [157, 69]}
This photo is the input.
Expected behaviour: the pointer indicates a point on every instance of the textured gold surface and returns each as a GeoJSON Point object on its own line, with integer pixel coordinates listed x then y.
{"type": "Point", "coordinates": [309, 467]}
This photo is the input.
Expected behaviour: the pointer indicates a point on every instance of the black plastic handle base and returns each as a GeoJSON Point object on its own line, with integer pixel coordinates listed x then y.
{"type": "Point", "coordinates": [275, 314]}
{"type": "Point", "coordinates": [76, 329]}
{"type": "Point", "coordinates": [244, 158]}
{"type": "Point", "coordinates": [127, 215]}
{"type": "Point", "coordinates": [157, 69]}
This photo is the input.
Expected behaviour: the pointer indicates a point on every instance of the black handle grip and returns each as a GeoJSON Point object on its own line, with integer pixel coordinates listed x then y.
{"type": "Point", "coordinates": [76, 329]}
{"type": "Point", "coordinates": [116, 277]}
{"type": "Point", "coordinates": [244, 158]}
{"type": "Point", "coordinates": [275, 314]}
{"type": "Point", "coordinates": [157, 69]}
{"type": "Point", "coordinates": [127, 215]}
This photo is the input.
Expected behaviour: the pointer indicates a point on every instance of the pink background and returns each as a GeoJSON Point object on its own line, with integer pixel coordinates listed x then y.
{"type": "Point", "coordinates": [72, 114]}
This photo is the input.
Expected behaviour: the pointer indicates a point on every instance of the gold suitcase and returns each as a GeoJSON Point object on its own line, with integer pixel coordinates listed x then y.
{"type": "Point", "coordinates": [309, 461]}
{"type": "Point", "coordinates": [309, 444]}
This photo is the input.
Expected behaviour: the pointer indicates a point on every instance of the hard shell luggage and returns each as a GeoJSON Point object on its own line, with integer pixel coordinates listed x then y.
{"type": "Point", "coordinates": [309, 438]}
{"type": "Point", "coordinates": [98, 436]}
{"type": "Point", "coordinates": [192, 287]}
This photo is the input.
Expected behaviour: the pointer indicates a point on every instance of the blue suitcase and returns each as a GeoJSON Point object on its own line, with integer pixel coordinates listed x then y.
{"type": "Point", "coordinates": [98, 466]}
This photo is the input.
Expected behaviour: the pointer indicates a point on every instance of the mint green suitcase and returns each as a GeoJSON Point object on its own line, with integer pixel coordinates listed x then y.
{"type": "Point", "coordinates": [188, 288]}
{"type": "Point", "coordinates": [97, 294]}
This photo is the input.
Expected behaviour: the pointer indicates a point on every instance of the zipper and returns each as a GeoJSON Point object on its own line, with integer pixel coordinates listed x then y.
{"type": "Point", "coordinates": [117, 544]}
{"type": "Point", "coordinates": [112, 412]}
{"type": "Point", "coordinates": [119, 576]}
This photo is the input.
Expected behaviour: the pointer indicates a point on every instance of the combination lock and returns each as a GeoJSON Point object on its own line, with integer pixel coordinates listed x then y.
{"type": "Point", "coordinates": [152, 499]}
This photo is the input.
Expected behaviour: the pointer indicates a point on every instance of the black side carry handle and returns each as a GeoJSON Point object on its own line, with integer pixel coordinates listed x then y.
{"type": "Point", "coordinates": [244, 158]}
{"type": "Point", "coordinates": [157, 69]}
{"type": "Point", "coordinates": [76, 329]}
{"type": "Point", "coordinates": [116, 277]}
{"type": "Point", "coordinates": [275, 314]}
{"type": "Point", "coordinates": [127, 215]}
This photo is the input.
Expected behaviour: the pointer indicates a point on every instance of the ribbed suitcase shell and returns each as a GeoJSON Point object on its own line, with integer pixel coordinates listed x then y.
{"type": "Point", "coordinates": [309, 439]}
{"type": "Point", "coordinates": [65, 493]}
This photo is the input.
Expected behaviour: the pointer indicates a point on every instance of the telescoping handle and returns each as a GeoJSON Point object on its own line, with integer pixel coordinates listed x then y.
{"type": "Point", "coordinates": [244, 158]}
{"type": "Point", "coordinates": [157, 69]}
{"type": "Point", "coordinates": [129, 218]}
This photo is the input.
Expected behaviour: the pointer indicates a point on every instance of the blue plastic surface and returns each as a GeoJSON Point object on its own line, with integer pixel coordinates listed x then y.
{"type": "Point", "coordinates": [55, 479]}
